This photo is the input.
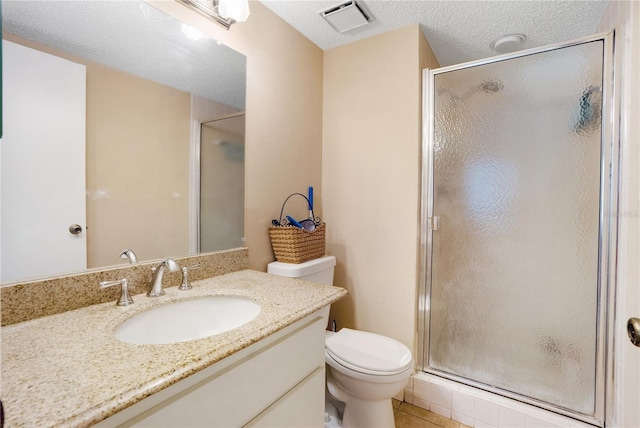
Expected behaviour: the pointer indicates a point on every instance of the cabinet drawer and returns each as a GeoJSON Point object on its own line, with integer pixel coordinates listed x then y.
{"type": "Point", "coordinates": [235, 395]}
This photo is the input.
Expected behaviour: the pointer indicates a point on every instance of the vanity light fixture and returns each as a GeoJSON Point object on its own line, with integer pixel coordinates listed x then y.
{"type": "Point", "coordinates": [236, 10]}
{"type": "Point", "coordinates": [222, 12]}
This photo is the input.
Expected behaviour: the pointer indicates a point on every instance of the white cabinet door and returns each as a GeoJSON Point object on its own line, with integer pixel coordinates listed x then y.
{"type": "Point", "coordinates": [43, 164]}
{"type": "Point", "coordinates": [300, 407]}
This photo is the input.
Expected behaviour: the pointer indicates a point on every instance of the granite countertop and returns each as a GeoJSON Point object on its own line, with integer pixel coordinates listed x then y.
{"type": "Point", "coordinates": [69, 370]}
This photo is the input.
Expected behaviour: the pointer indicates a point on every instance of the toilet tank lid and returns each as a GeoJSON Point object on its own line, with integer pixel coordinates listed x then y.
{"type": "Point", "coordinates": [301, 269]}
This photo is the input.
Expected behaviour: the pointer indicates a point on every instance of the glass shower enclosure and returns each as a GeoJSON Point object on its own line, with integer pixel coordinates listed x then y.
{"type": "Point", "coordinates": [516, 209]}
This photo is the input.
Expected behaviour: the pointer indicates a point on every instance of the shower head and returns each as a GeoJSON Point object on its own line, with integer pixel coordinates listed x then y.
{"type": "Point", "coordinates": [488, 86]}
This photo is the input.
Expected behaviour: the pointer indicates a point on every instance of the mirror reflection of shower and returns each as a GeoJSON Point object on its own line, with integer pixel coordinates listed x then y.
{"type": "Point", "coordinates": [222, 147]}
{"type": "Point", "coordinates": [233, 151]}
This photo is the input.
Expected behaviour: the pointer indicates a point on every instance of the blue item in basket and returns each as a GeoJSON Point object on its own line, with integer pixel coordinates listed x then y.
{"type": "Point", "coordinates": [294, 222]}
{"type": "Point", "coordinates": [310, 199]}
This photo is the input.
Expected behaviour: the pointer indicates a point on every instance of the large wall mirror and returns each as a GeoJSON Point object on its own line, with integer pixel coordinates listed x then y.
{"type": "Point", "coordinates": [103, 106]}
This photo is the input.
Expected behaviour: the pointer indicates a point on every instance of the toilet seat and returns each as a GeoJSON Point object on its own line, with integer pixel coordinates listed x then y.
{"type": "Point", "coordinates": [368, 353]}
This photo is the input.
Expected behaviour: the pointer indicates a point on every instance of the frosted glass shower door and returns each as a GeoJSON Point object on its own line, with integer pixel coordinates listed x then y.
{"type": "Point", "coordinates": [514, 268]}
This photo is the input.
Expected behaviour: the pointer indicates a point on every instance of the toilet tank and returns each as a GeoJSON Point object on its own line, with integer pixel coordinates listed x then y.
{"type": "Point", "coordinates": [316, 270]}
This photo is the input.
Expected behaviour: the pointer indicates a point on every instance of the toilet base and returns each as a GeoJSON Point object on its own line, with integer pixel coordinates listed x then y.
{"type": "Point", "coordinates": [368, 410]}
{"type": "Point", "coordinates": [332, 416]}
{"type": "Point", "coordinates": [368, 414]}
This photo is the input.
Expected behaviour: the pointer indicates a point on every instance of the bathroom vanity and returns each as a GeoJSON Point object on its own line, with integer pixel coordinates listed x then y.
{"type": "Point", "coordinates": [70, 370]}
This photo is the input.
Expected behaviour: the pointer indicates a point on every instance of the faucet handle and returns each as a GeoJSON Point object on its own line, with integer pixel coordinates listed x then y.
{"type": "Point", "coordinates": [125, 299]}
{"type": "Point", "coordinates": [185, 277]}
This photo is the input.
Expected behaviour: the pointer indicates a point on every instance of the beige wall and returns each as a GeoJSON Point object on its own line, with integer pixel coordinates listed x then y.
{"type": "Point", "coordinates": [624, 17]}
{"type": "Point", "coordinates": [371, 175]}
{"type": "Point", "coordinates": [284, 116]}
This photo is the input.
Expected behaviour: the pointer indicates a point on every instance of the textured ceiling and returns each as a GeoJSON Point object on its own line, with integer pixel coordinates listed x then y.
{"type": "Point", "coordinates": [457, 30]}
{"type": "Point", "coordinates": [148, 43]}
{"type": "Point", "coordinates": [133, 37]}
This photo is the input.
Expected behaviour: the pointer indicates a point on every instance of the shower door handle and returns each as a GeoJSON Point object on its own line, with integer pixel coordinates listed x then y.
{"type": "Point", "coordinates": [434, 222]}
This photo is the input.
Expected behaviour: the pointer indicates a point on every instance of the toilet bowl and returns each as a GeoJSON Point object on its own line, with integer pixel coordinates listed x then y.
{"type": "Point", "coordinates": [364, 370]}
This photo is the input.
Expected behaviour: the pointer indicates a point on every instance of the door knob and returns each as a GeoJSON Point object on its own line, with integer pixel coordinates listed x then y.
{"type": "Point", "coordinates": [633, 330]}
{"type": "Point", "coordinates": [75, 229]}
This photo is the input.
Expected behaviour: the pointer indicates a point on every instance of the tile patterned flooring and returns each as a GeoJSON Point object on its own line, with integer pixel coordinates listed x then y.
{"type": "Point", "coordinates": [409, 416]}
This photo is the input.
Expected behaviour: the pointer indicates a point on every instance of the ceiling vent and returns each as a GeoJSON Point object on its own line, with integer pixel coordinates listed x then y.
{"type": "Point", "coordinates": [347, 16]}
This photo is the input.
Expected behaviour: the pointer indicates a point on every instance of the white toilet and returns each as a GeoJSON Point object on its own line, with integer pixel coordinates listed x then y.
{"type": "Point", "coordinates": [365, 370]}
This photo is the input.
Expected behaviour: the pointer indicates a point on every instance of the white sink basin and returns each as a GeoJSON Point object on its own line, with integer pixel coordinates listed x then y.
{"type": "Point", "coordinates": [187, 320]}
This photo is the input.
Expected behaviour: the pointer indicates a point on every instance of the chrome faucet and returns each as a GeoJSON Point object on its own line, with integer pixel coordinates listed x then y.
{"type": "Point", "coordinates": [158, 273]}
{"type": "Point", "coordinates": [130, 255]}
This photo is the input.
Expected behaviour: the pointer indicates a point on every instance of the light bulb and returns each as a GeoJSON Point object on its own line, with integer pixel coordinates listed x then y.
{"type": "Point", "coordinates": [238, 10]}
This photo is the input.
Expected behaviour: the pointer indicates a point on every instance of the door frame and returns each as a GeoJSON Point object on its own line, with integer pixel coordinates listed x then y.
{"type": "Point", "coordinates": [609, 201]}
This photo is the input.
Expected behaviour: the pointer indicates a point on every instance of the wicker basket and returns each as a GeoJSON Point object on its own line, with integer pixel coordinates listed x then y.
{"type": "Point", "coordinates": [294, 245]}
